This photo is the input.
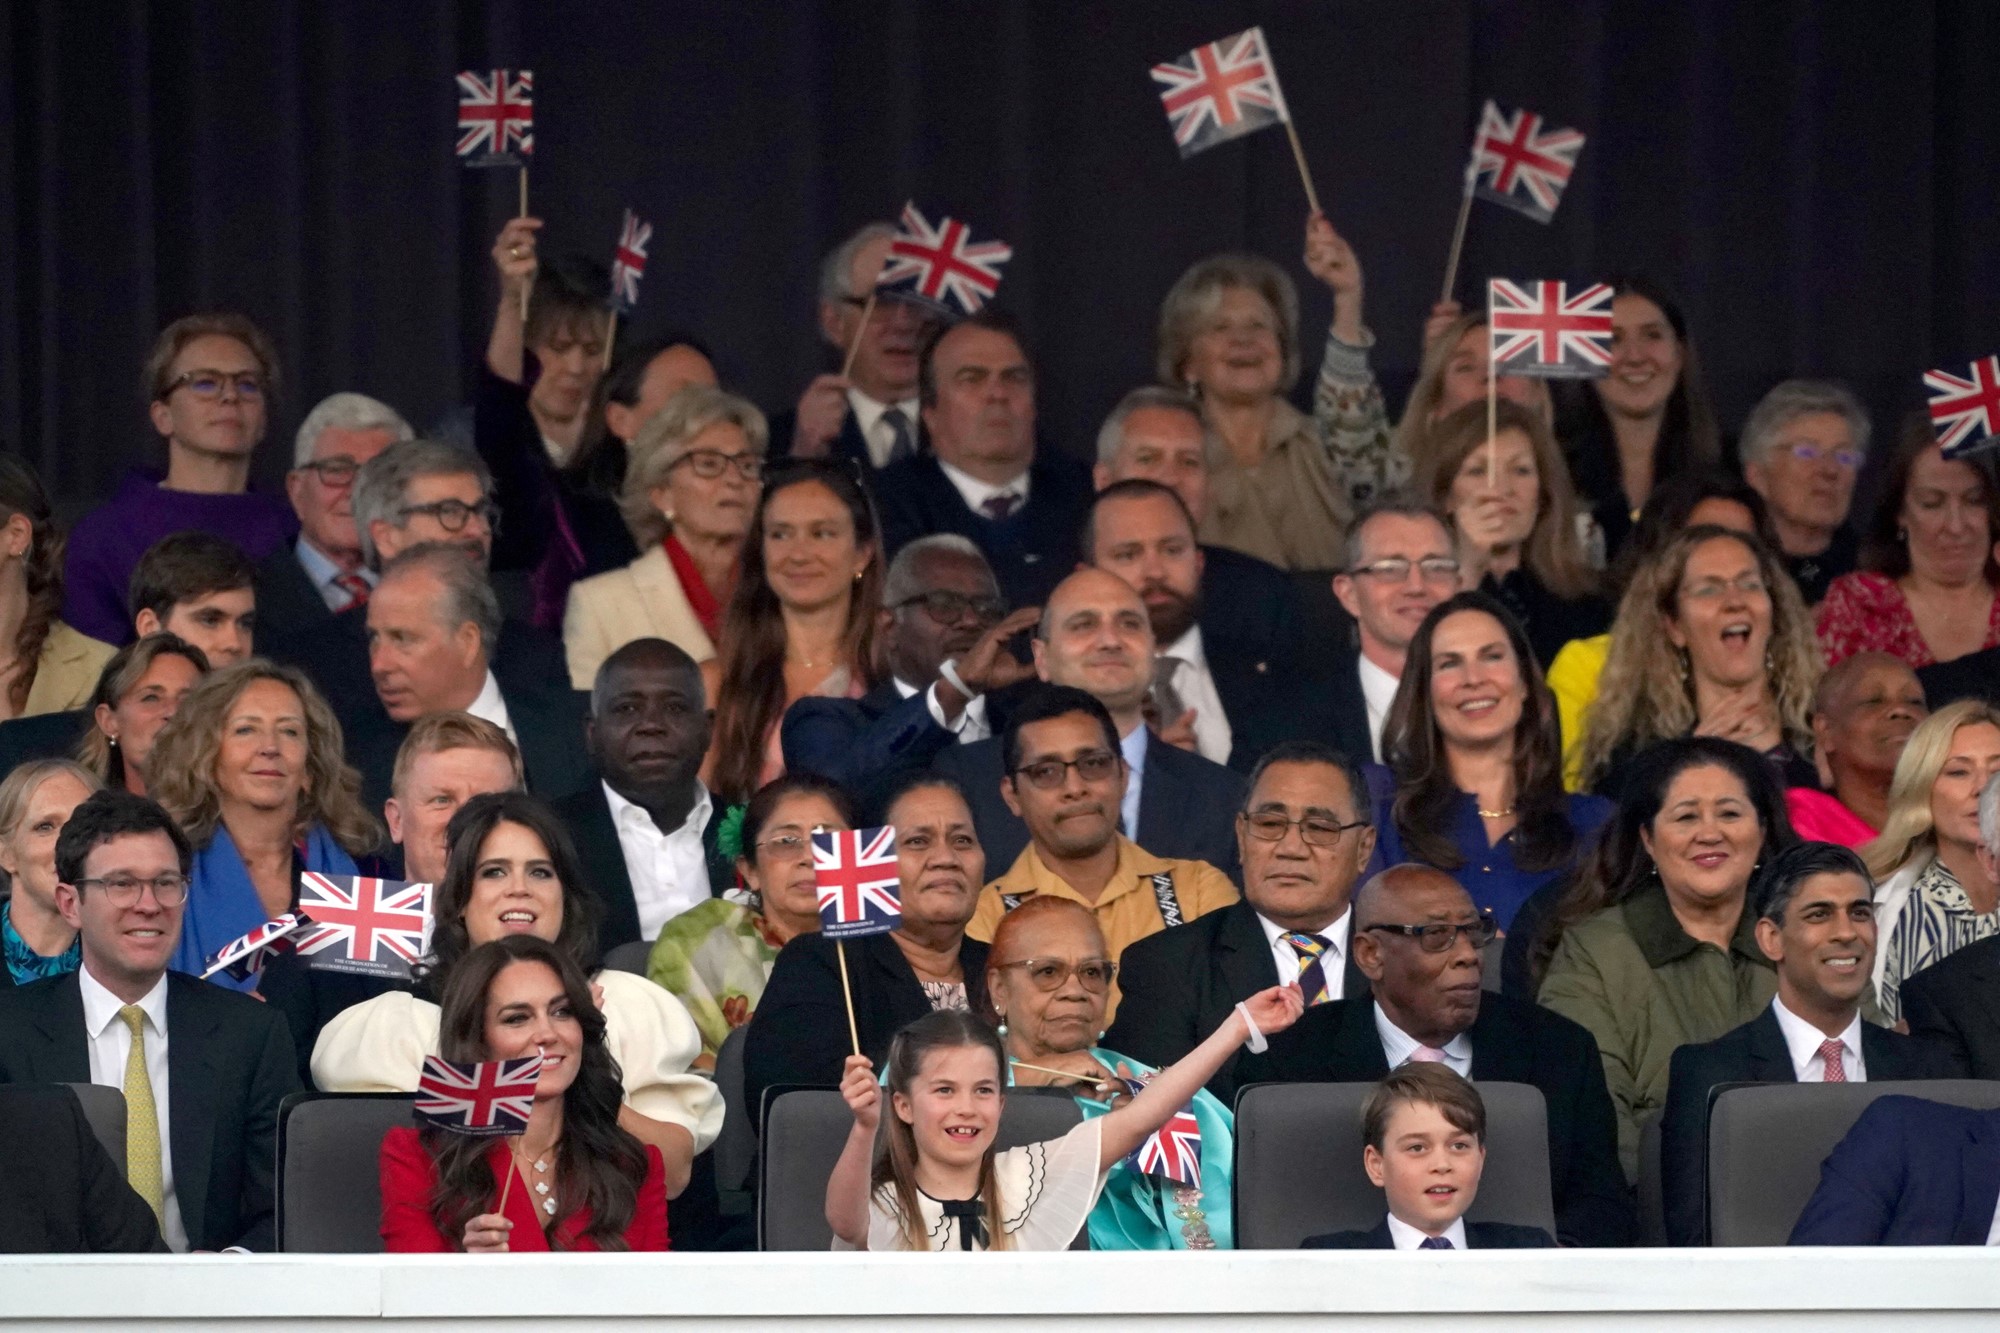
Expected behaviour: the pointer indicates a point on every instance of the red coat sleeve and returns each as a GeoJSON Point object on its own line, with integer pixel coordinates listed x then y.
{"type": "Point", "coordinates": [648, 1231]}
{"type": "Point", "coordinates": [408, 1178]}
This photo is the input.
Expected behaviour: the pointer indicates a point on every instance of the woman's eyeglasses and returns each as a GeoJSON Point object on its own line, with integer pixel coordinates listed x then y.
{"type": "Point", "coordinates": [708, 464]}
{"type": "Point", "coordinates": [1049, 974]}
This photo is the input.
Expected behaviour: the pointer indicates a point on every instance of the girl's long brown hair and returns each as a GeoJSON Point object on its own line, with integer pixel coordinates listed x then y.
{"type": "Point", "coordinates": [751, 696]}
{"type": "Point", "coordinates": [895, 1173]}
{"type": "Point", "coordinates": [21, 493]}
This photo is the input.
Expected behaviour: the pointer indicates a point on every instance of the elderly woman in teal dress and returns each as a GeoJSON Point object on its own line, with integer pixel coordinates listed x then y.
{"type": "Point", "coordinates": [1049, 979]}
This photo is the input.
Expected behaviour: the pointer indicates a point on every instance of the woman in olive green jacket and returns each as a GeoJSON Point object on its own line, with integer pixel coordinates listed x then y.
{"type": "Point", "coordinates": [1669, 956]}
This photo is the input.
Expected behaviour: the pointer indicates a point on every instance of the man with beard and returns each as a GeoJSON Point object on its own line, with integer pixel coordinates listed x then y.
{"type": "Point", "coordinates": [944, 631]}
{"type": "Point", "coordinates": [1238, 702]}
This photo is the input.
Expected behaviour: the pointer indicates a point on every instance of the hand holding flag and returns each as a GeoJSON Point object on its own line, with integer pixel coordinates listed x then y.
{"type": "Point", "coordinates": [1223, 91]}
{"type": "Point", "coordinates": [488, 1098]}
{"type": "Point", "coordinates": [245, 957]}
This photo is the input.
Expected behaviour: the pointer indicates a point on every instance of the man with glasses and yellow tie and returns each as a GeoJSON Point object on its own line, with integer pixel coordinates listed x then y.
{"type": "Point", "coordinates": [202, 1068]}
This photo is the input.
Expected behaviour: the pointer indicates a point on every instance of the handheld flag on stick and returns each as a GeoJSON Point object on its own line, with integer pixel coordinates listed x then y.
{"type": "Point", "coordinates": [859, 886]}
{"type": "Point", "coordinates": [1965, 409]}
{"type": "Point", "coordinates": [245, 957]}
{"type": "Point", "coordinates": [496, 117]}
{"type": "Point", "coordinates": [1223, 91]}
{"type": "Point", "coordinates": [1538, 328]}
{"type": "Point", "coordinates": [628, 265]}
{"type": "Point", "coordinates": [485, 1099]}
{"type": "Point", "coordinates": [376, 927]}
{"type": "Point", "coordinates": [938, 266]}
{"type": "Point", "coordinates": [1518, 164]}
{"type": "Point", "coordinates": [1173, 1150]}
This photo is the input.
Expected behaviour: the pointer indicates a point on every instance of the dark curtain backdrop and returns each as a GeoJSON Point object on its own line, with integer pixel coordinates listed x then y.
{"type": "Point", "coordinates": [1821, 181]}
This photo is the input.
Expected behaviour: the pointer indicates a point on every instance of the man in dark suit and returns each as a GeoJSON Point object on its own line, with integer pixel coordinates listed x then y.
{"type": "Point", "coordinates": [1293, 923]}
{"type": "Point", "coordinates": [1910, 1172]}
{"type": "Point", "coordinates": [799, 1032]}
{"type": "Point", "coordinates": [869, 414]}
{"type": "Point", "coordinates": [1094, 635]}
{"type": "Point", "coordinates": [1973, 676]}
{"type": "Point", "coordinates": [1816, 921]}
{"type": "Point", "coordinates": [65, 1195]}
{"type": "Point", "coordinates": [1417, 938]}
{"type": "Point", "coordinates": [984, 478]}
{"type": "Point", "coordinates": [940, 604]}
{"type": "Point", "coordinates": [302, 587]}
{"type": "Point", "coordinates": [1401, 562]}
{"type": "Point", "coordinates": [646, 827]}
{"type": "Point", "coordinates": [1950, 1006]}
{"type": "Point", "coordinates": [203, 1068]}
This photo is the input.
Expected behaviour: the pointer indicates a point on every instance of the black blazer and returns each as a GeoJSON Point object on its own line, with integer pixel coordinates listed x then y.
{"type": "Point", "coordinates": [588, 815]}
{"type": "Point", "coordinates": [1954, 1005]}
{"type": "Point", "coordinates": [1347, 707]}
{"type": "Point", "coordinates": [799, 1031]}
{"type": "Point", "coordinates": [1179, 985]}
{"type": "Point", "coordinates": [43, 736]}
{"type": "Point", "coordinates": [1187, 805]}
{"type": "Point", "coordinates": [867, 745]}
{"type": "Point", "coordinates": [1031, 550]}
{"type": "Point", "coordinates": [309, 998]}
{"type": "Point", "coordinates": [229, 1064]}
{"type": "Point", "coordinates": [1478, 1236]}
{"type": "Point", "coordinates": [64, 1194]}
{"type": "Point", "coordinates": [1753, 1053]}
{"type": "Point", "coordinates": [849, 444]}
{"type": "Point", "coordinates": [1250, 603]}
{"type": "Point", "coordinates": [287, 603]}
{"type": "Point", "coordinates": [1974, 676]}
{"type": "Point", "coordinates": [1512, 1042]}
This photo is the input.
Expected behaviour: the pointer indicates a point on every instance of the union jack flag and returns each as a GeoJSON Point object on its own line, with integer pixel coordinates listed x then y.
{"type": "Point", "coordinates": [1174, 1150]}
{"type": "Point", "coordinates": [1519, 164]}
{"type": "Point", "coordinates": [628, 265]}
{"type": "Point", "coordinates": [941, 266]}
{"type": "Point", "coordinates": [490, 1098]}
{"type": "Point", "coordinates": [1539, 329]}
{"type": "Point", "coordinates": [496, 112]}
{"type": "Point", "coordinates": [858, 881]}
{"type": "Point", "coordinates": [1221, 91]}
{"type": "Point", "coordinates": [1965, 409]}
{"type": "Point", "coordinates": [377, 927]}
{"type": "Point", "coordinates": [245, 957]}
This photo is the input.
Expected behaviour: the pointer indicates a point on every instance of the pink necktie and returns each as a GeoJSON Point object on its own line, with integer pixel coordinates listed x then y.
{"type": "Point", "coordinates": [1426, 1055]}
{"type": "Point", "coordinates": [1829, 1051]}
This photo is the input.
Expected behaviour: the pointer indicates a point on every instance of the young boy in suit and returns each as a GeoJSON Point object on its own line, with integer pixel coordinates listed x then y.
{"type": "Point", "coordinates": [1423, 1131]}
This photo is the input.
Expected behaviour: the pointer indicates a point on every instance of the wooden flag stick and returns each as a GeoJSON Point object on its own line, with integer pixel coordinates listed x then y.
{"type": "Point", "coordinates": [854, 348]}
{"type": "Point", "coordinates": [1492, 404]}
{"type": "Point", "coordinates": [1299, 153]}
{"type": "Point", "coordinates": [528, 286]}
{"type": "Point", "coordinates": [1059, 1073]}
{"type": "Point", "coordinates": [1457, 244]}
{"type": "Point", "coordinates": [610, 339]}
{"type": "Point", "coordinates": [513, 1169]}
{"type": "Point", "coordinates": [847, 993]}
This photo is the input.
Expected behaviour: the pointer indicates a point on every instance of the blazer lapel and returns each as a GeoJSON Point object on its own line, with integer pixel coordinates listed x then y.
{"type": "Point", "coordinates": [1243, 955]}
{"type": "Point", "coordinates": [1355, 1053]}
{"type": "Point", "coordinates": [1770, 1057]}
{"type": "Point", "coordinates": [606, 856]}
{"type": "Point", "coordinates": [66, 1056]}
{"type": "Point", "coordinates": [1501, 1051]}
{"type": "Point", "coordinates": [191, 1081]}
{"type": "Point", "coordinates": [1163, 797]}
{"type": "Point", "coordinates": [1980, 1191]}
{"type": "Point", "coordinates": [671, 615]}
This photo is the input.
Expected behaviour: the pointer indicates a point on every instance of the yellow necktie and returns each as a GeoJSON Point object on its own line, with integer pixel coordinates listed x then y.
{"type": "Point", "coordinates": [142, 1118]}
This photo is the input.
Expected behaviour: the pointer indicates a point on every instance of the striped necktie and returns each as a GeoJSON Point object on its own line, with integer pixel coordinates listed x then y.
{"type": "Point", "coordinates": [902, 443]}
{"type": "Point", "coordinates": [356, 588]}
{"type": "Point", "coordinates": [1311, 950]}
{"type": "Point", "coordinates": [1829, 1052]}
{"type": "Point", "coordinates": [142, 1119]}
{"type": "Point", "coordinates": [1434, 1243]}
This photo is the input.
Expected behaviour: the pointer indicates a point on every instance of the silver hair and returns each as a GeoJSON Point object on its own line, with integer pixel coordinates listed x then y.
{"type": "Point", "coordinates": [902, 583]}
{"type": "Point", "coordinates": [385, 479]}
{"type": "Point", "coordinates": [664, 438]}
{"type": "Point", "coordinates": [467, 594]}
{"type": "Point", "coordinates": [347, 411]}
{"type": "Point", "coordinates": [1193, 299]}
{"type": "Point", "coordinates": [1800, 398]}
{"type": "Point", "coordinates": [1989, 815]}
{"type": "Point", "coordinates": [1403, 504]}
{"type": "Point", "coordinates": [836, 271]}
{"type": "Point", "coordinates": [1111, 435]}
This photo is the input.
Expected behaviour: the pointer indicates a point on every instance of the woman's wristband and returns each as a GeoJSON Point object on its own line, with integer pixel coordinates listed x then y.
{"type": "Point", "coordinates": [1255, 1043]}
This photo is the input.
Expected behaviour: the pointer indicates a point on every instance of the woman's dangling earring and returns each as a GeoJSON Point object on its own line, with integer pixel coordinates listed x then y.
{"type": "Point", "coordinates": [1903, 535]}
{"type": "Point", "coordinates": [1002, 1030]}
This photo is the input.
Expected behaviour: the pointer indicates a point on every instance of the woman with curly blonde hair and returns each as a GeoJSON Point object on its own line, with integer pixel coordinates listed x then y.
{"type": "Point", "coordinates": [253, 768]}
{"type": "Point", "coordinates": [1711, 639]}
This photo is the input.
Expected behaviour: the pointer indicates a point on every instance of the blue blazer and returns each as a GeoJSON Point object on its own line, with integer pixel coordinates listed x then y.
{"type": "Point", "coordinates": [1910, 1172]}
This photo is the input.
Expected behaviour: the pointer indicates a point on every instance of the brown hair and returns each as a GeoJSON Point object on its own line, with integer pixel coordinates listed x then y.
{"type": "Point", "coordinates": [183, 566]}
{"type": "Point", "coordinates": [121, 675]}
{"type": "Point", "coordinates": [894, 1178]}
{"type": "Point", "coordinates": [466, 836]}
{"type": "Point", "coordinates": [1421, 1084]}
{"type": "Point", "coordinates": [174, 338]}
{"type": "Point", "coordinates": [21, 493]}
{"type": "Point", "coordinates": [182, 776]}
{"type": "Point", "coordinates": [1553, 552]}
{"type": "Point", "coordinates": [1885, 549]}
{"type": "Point", "coordinates": [434, 733]}
{"type": "Point", "coordinates": [750, 698]}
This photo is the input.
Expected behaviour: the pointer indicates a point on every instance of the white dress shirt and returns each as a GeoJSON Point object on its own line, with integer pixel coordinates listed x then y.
{"type": "Point", "coordinates": [1802, 1041]}
{"type": "Point", "coordinates": [1133, 747]}
{"type": "Point", "coordinates": [971, 725]}
{"type": "Point", "coordinates": [1993, 1232]}
{"type": "Point", "coordinates": [1196, 687]}
{"type": "Point", "coordinates": [1333, 961]}
{"type": "Point", "coordinates": [878, 434]}
{"type": "Point", "coordinates": [976, 493]}
{"type": "Point", "coordinates": [1378, 691]}
{"type": "Point", "coordinates": [669, 871]}
{"type": "Point", "coordinates": [1399, 1046]}
{"type": "Point", "coordinates": [110, 1046]}
{"type": "Point", "coordinates": [490, 706]}
{"type": "Point", "coordinates": [1407, 1237]}
{"type": "Point", "coordinates": [323, 572]}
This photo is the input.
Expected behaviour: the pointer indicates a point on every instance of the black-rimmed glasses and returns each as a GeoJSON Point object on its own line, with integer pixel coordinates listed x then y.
{"type": "Point", "coordinates": [1438, 936]}
{"type": "Point", "coordinates": [1314, 830]}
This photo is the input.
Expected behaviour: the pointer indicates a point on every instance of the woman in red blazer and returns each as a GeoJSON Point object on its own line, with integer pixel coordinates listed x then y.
{"type": "Point", "coordinates": [579, 1181]}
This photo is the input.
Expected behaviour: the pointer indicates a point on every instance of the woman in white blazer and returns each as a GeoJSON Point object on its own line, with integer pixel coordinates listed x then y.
{"type": "Point", "coordinates": [690, 487]}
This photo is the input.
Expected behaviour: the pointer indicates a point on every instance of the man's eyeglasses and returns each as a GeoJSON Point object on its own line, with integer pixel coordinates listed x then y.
{"type": "Point", "coordinates": [1049, 974]}
{"type": "Point", "coordinates": [1812, 453]}
{"type": "Point", "coordinates": [123, 890]}
{"type": "Point", "coordinates": [336, 473]}
{"type": "Point", "coordinates": [1438, 936]}
{"type": "Point", "coordinates": [210, 384]}
{"type": "Point", "coordinates": [949, 608]}
{"type": "Point", "coordinates": [1315, 830]}
{"type": "Point", "coordinates": [1048, 774]}
{"type": "Point", "coordinates": [1396, 569]}
{"type": "Point", "coordinates": [708, 464]}
{"type": "Point", "coordinates": [452, 515]}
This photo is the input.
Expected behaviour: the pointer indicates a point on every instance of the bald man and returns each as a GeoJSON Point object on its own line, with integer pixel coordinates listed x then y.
{"type": "Point", "coordinates": [1095, 635]}
{"type": "Point", "coordinates": [1418, 939]}
{"type": "Point", "coordinates": [1864, 710]}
